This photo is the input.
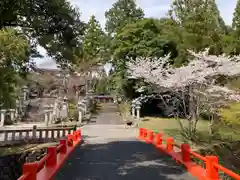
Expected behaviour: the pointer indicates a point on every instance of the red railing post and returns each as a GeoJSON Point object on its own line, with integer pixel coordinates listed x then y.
{"type": "Point", "coordinates": [31, 170]}
{"type": "Point", "coordinates": [80, 134]}
{"type": "Point", "coordinates": [212, 171]}
{"type": "Point", "coordinates": [186, 156]}
{"type": "Point", "coordinates": [150, 137]}
{"type": "Point", "coordinates": [170, 143]}
{"type": "Point", "coordinates": [63, 149]}
{"type": "Point", "coordinates": [74, 136]}
{"type": "Point", "coordinates": [52, 156]}
{"type": "Point", "coordinates": [141, 131]}
{"type": "Point", "coordinates": [145, 134]}
{"type": "Point", "coordinates": [70, 140]}
{"type": "Point", "coordinates": [158, 141]}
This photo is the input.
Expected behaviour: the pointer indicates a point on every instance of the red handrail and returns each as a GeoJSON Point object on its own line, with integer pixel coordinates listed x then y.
{"type": "Point", "coordinates": [46, 168]}
{"type": "Point", "coordinates": [209, 172]}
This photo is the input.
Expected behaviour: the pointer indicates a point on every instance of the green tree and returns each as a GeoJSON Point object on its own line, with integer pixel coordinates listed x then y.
{"type": "Point", "coordinates": [93, 42]}
{"type": "Point", "coordinates": [235, 47]}
{"type": "Point", "coordinates": [55, 24]}
{"type": "Point", "coordinates": [201, 23]}
{"type": "Point", "coordinates": [236, 18]}
{"type": "Point", "coordinates": [143, 38]}
{"type": "Point", "coordinates": [219, 20]}
{"type": "Point", "coordinates": [14, 59]}
{"type": "Point", "coordinates": [122, 13]}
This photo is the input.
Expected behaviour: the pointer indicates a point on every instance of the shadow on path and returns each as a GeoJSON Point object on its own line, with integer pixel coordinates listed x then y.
{"type": "Point", "coordinates": [120, 160]}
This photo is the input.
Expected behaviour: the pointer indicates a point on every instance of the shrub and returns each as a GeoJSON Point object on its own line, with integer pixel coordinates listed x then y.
{"type": "Point", "coordinates": [73, 111]}
{"type": "Point", "coordinates": [125, 108]}
{"type": "Point", "coordinates": [231, 113]}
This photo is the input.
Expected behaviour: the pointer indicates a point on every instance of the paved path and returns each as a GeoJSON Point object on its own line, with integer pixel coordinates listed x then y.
{"type": "Point", "coordinates": [108, 115]}
{"type": "Point", "coordinates": [111, 152]}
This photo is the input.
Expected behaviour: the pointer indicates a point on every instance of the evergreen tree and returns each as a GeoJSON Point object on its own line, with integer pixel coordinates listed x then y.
{"type": "Point", "coordinates": [201, 23]}
{"type": "Point", "coordinates": [122, 13]}
{"type": "Point", "coordinates": [93, 40]}
{"type": "Point", "coordinates": [219, 20]}
{"type": "Point", "coordinates": [235, 47]}
{"type": "Point", "coordinates": [236, 18]}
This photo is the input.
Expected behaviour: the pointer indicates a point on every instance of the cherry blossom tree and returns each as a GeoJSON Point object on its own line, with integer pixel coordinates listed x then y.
{"type": "Point", "coordinates": [197, 80]}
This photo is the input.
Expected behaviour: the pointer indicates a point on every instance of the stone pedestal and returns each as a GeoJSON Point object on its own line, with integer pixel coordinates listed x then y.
{"type": "Point", "coordinates": [12, 114]}
{"type": "Point", "coordinates": [64, 111]}
{"type": "Point", "coordinates": [46, 116]}
{"type": "Point", "coordinates": [2, 117]}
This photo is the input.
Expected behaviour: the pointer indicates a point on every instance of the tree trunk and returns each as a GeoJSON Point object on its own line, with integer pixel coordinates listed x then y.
{"type": "Point", "coordinates": [193, 118]}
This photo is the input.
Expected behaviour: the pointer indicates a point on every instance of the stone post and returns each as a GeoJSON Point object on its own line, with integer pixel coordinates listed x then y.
{"type": "Point", "coordinates": [17, 108]}
{"type": "Point", "coordinates": [3, 114]}
{"type": "Point", "coordinates": [51, 114]}
{"type": "Point", "coordinates": [46, 114]}
{"type": "Point", "coordinates": [81, 107]}
{"type": "Point", "coordinates": [80, 113]}
{"type": "Point", "coordinates": [138, 112]}
{"type": "Point", "coordinates": [138, 107]}
{"type": "Point", "coordinates": [16, 113]}
{"type": "Point", "coordinates": [55, 108]}
{"type": "Point", "coordinates": [34, 132]}
{"type": "Point", "coordinates": [84, 102]}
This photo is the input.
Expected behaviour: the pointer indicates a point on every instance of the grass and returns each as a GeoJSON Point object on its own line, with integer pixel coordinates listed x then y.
{"type": "Point", "coordinates": [170, 127]}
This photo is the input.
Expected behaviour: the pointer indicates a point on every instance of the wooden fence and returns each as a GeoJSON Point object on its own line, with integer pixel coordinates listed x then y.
{"type": "Point", "coordinates": [33, 135]}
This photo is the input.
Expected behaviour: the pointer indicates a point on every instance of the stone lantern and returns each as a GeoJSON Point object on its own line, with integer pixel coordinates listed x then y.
{"type": "Point", "coordinates": [25, 92]}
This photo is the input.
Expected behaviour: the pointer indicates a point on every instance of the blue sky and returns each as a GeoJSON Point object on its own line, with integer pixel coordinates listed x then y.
{"type": "Point", "coordinates": [152, 8]}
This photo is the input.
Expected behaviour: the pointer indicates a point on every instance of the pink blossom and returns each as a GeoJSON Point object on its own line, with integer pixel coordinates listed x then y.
{"type": "Point", "coordinates": [202, 69]}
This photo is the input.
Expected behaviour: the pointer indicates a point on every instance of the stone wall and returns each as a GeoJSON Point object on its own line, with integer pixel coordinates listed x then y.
{"type": "Point", "coordinates": [11, 165]}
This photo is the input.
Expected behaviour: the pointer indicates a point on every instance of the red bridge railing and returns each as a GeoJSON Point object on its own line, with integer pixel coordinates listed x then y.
{"type": "Point", "coordinates": [47, 167]}
{"type": "Point", "coordinates": [184, 155]}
